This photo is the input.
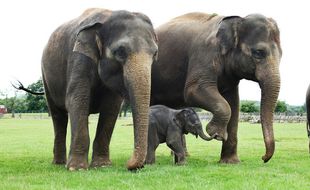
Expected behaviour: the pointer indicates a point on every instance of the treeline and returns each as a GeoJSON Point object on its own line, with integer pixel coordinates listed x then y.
{"type": "Point", "coordinates": [28, 103]}
{"type": "Point", "coordinates": [247, 106]}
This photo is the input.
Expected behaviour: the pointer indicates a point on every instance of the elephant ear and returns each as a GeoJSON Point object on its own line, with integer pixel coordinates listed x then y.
{"type": "Point", "coordinates": [147, 20]}
{"type": "Point", "coordinates": [88, 42]}
{"type": "Point", "coordinates": [275, 33]}
{"type": "Point", "coordinates": [179, 118]}
{"type": "Point", "coordinates": [227, 33]}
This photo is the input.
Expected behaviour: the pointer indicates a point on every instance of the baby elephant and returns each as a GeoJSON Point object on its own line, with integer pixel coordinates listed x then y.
{"type": "Point", "coordinates": [169, 125]}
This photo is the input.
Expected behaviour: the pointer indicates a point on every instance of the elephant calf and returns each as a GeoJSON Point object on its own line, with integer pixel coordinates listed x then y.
{"type": "Point", "coordinates": [169, 125]}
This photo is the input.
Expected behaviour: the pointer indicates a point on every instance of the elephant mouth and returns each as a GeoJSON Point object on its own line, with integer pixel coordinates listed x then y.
{"type": "Point", "coordinates": [196, 135]}
{"type": "Point", "coordinates": [217, 137]}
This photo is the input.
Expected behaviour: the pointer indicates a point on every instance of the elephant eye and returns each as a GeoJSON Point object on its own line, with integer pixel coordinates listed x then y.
{"type": "Point", "coordinates": [120, 53]}
{"type": "Point", "coordinates": [258, 53]}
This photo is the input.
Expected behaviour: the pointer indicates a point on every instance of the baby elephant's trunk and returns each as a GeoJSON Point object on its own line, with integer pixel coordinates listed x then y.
{"type": "Point", "coordinates": [204, 136]}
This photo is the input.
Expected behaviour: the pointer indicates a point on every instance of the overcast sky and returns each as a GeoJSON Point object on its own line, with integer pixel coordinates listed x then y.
{"type": "Point", "coordinates": [27, 25]}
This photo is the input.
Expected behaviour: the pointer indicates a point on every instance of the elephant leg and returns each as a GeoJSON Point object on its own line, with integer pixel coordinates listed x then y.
{"type": "Point", "coordinates": [150, 156]}
{"type": "Point", "coordinates": [60, 122]}
{"type": "Point", "coordinates": [78, 155]}
{"type": "Point", "coordinates": [229, 147]}
{"type": "Point", "coordinates": [184, 145]}
{"type": "Point", "coordinates": [108, 116]}
{"type": "Point", "coordinates": [153, 142]}
{"type": "Point", "coordinates": [78, 107]}
{"type": "Point", "coordinates": [176, 146]}
{"type": "Point", "coordinates": [207, 96]}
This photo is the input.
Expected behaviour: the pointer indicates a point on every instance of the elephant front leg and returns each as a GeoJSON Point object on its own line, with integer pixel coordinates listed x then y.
{"type": "Point", "coordinates": [229, 147]}
{"type": "Point", "coordinates": [78, 155]}
{"type": "Point", "coordinates": [184, 145]}
{"type": "Point", "coordinates": [176, 146]}
{"type": "Point", "coordinates": [207, 96]}
{"type": "Point", "coordinates": [105, 127]}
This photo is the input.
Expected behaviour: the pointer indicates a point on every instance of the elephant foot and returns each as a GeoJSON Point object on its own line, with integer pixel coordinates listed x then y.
{"type": "Point", "coordinates": [181, 163]}
{"type": "Point", "coordinates": [59, 159]}
{"type": "Point", "coordinates": [219, 132]}
{"type": "Point", "coordinates": [98, 162]}
{"type": "Point", "coordinates": [230, 160]}
{"type": "Point", "coordinates": [77, 162]}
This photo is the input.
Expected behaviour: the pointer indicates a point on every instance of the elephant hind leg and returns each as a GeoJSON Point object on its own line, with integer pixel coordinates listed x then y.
{"type": "Point", "coordinates": [60, 122]}
{"type": "Point", "coordinates": [229, 147]}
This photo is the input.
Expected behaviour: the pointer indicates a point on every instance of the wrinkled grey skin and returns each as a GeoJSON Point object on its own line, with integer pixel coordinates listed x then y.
{"type": "Point", "coordinates": [89, 65]}
{"type": "Point", "coordinates": [169, 125]}
{"type": "Point", "coordinates": [202, 59]}
{"type": "Point", "coordinates": [308, 113]}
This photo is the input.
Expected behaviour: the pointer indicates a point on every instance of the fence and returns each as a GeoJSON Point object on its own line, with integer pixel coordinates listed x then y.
{"type": "Point", "coordinates": [255, 118]}
{"type": "Point", "coordinates": [204, 116]}
{"type": "Point", "coordinates": [26, 116]}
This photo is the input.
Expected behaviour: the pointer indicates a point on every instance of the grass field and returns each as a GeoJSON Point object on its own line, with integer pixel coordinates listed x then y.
{"type": "Point", "coordinates": [26, 154]}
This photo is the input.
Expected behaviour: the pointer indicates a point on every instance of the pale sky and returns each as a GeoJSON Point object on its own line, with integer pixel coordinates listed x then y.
{"type": "Point", "coordinates": [27, 25]}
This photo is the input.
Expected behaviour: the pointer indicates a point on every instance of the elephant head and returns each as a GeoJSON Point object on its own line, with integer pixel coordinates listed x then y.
{"type": "Point", "coordinates": [190, 123]}
{"type": "Point", "coordinates": [251, 49]}
{"type": "Point", "coordinates": [124, 46]}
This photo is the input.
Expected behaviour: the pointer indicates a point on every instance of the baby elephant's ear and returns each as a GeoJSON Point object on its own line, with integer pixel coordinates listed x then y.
{"type": "Point", "coordinates": [181, 115]}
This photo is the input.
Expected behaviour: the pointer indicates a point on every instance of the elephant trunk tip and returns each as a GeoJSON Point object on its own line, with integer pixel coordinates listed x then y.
{"type": "Point", "coordinates": [266, 158]}
{"type": "Point", "coordinates": [137, 160]}
{"type": "Point", "coordinates": [269, 152]}
{"type": "Point", "coordinates": [133, 164]}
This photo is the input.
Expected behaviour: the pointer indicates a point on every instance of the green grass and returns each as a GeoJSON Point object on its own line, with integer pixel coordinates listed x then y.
{"type": "Point", "coordinates": [26, 154]}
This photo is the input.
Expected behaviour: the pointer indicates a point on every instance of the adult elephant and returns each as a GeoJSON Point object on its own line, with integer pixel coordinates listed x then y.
{"type": "Point", "coordinates": [308, 113]}
{"type": "Point", "coordinates": [88, 66]}
{"type": "Point", "coordinates": [202, 59]}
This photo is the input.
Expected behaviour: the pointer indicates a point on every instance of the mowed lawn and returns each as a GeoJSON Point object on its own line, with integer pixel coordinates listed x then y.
{"type": "Point", "coordinates": [26, 154]}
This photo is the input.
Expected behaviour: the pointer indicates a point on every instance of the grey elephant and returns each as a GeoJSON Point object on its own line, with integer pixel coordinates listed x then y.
{"type": "Point", "coordinates": [203, 57]}
{"type": "Point", "coordinates": [89, 65]}
{"type": "Point", "coordinates": [308, 113]}
{"type": "Point", "coordinates": [169, 125]}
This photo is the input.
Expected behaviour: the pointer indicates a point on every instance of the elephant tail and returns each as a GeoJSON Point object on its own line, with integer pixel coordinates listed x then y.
{"type": "Point", "coordinates": [20, 86]}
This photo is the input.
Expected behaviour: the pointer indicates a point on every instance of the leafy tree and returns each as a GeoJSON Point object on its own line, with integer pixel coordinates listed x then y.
{"type": "Point", "coordinates": [36, 103]}
{"type": "Point", "coordinates": [293, 110]}
{"type": "Point", "coordinates": [281, 107]}
{"type": "Point", "coordinates": [20, 105]}
{"type": "Point", "coordinates": [249, 106]}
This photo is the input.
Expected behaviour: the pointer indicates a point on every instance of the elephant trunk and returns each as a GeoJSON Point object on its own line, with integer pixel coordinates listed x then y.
{"type": "Point", "coordinates": [137, 78]}
{"type": "Point", "coordinates": [270, 87]}
{"type": "Point", "coordinates": [202, 135]}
